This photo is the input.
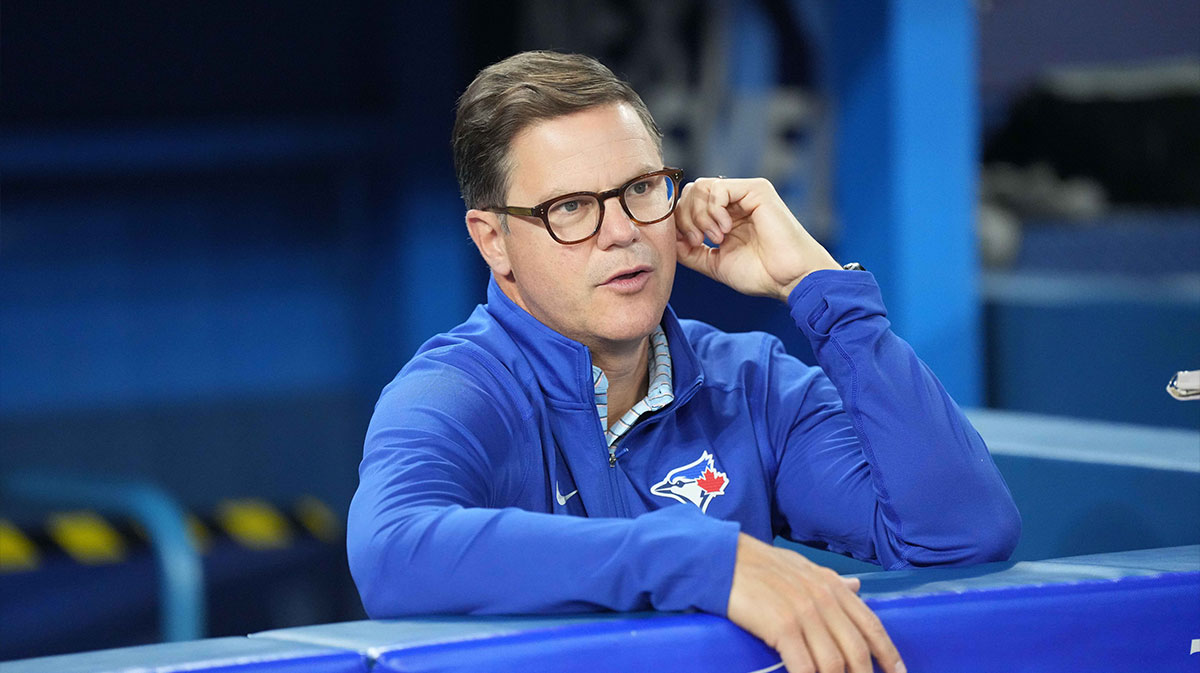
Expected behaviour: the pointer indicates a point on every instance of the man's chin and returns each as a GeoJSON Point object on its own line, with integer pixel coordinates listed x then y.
{"type": "Point", "coordinates": [629, 326]}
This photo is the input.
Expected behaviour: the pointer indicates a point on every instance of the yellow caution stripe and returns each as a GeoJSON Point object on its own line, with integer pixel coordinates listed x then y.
{"type": "Point", "coordinates": [254, 523]}
{"type": "Point", "coordinates": [86, 537]}
{"type": "Point", "coordinates": [17, 552]}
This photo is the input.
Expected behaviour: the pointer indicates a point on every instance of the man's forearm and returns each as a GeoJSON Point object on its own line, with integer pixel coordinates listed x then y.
{"type": "Point", "coordinates": [939, 491]}
{"type": "Point", "coordinates": [450, 559]}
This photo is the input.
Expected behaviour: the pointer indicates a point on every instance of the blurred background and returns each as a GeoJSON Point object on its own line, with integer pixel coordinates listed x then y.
{"type": "Point", "coordinates": [225, 226]}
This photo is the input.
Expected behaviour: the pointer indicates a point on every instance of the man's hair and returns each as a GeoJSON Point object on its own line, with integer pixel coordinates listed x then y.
{"type": "Point", "coordinates": [508, 96]}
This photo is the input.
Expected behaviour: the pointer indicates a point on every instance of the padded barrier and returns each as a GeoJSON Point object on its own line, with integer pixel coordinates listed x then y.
{"type": "Point", "coordinates": [1133, 611]}
{"type": "Point", "coordinates": [686, 643]}
{"type": "Point", "coordinates": [214, 655]}
{"type": "Point", "coordinates": [1129, 611]}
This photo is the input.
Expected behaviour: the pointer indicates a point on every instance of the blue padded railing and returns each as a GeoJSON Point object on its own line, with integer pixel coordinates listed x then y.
{"type": "Point", "coordinates": [1129, 611]}
{"type": "Point", "coordinates": [180, 571]}
{"type": "Point", "coordinates": [213, 655]}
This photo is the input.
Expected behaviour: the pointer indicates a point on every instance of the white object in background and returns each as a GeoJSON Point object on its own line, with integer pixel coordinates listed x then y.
{"type": "Point", "coordinates": [1185, 385]}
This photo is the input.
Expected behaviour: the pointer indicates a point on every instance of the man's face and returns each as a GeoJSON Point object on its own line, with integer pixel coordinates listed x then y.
{"type": "Point", "coordinates": [610, 289]}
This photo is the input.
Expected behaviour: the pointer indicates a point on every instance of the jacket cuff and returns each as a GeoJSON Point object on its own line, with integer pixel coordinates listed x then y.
{"type": "Point", "coordinates": [828, 299]}
{"type": "Point", "coordinates": [690, 560]}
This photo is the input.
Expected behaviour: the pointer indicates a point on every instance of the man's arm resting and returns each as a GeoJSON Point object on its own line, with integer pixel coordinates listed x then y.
{"type": "Point", "coordinates": [452, 559]}
{"type": "Point", "coordinates": [914, 466]}
{"type": "Point", "coordinates": [431, 529]}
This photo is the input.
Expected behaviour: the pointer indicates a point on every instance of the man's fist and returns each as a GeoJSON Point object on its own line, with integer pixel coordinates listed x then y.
{"type": "Point", "coordinates": [763, 250]}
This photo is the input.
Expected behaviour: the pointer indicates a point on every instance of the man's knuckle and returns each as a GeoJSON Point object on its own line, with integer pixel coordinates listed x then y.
{"type": "Point", "coordinates": [806, 610]}
{"type": "Point", "coordinates": [790, 625]}
{"type": "Point", "coordinates": [826, 602]}
{"type": "Point", "coordinates": [833, 661]}
{"type": "Point", "coordinates": [801, 667]}
{"type": "Point", "coordinates": [858, 655]}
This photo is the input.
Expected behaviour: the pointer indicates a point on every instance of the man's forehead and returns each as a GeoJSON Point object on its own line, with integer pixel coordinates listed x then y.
{"type": "Point", "coordinates": [583, 151]}
{"type": "Point", "coordinates": [598, 180]}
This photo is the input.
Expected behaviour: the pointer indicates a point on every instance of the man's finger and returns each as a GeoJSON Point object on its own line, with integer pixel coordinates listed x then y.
{"type": "Point", "coordinates": [795, 655]}
{"type": "Point", "coordinates": [685, 215]}
{"type": "Point", "coordinates": [852, 643]}
{"type": "Point", "coordinates": [821, 644]}
{"type": "Point", "coordinates": [722, 223]}
{"type": "Point", "coordinates": [872, 630]}
{"type": "Point", "coordinates": [702, 213]}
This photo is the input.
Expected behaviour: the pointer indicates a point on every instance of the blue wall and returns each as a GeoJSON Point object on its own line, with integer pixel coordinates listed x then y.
{"type": "Point", "coordinates": [210, 239]}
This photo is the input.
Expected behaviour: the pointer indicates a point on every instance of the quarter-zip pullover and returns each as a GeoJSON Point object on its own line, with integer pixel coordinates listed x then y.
{"type": "Point", "coordinates": [462, 505]}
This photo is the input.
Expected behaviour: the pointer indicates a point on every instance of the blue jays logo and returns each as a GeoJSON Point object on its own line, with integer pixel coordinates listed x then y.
{"type": "Point", "coordinates": [697, 482]}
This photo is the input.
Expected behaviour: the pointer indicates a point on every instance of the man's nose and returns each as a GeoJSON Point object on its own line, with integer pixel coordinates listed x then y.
{"type": "Point", "coordinates": [616, 229]}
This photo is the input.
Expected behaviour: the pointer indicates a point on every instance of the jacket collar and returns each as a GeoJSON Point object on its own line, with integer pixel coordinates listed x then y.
{"type": "Point", "coordinates": [564, 366]}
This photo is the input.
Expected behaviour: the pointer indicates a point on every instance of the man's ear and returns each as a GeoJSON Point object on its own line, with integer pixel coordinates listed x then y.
{"type": "Point", "coordinates": [489, 237]}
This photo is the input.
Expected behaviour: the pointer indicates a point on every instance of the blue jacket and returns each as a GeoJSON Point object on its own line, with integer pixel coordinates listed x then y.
{"type": "Point", "coordinates": [491, 427]}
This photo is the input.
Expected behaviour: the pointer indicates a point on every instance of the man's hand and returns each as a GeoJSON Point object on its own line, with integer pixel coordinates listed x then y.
{"type": "Point", "coordinates": [764, 250]}
{"type": "Point", "coordinates": [810, 615]}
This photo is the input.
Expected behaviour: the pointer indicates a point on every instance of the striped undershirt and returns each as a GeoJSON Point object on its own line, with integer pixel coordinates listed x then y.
{"type": "Point", "coordinates": [659, 393]}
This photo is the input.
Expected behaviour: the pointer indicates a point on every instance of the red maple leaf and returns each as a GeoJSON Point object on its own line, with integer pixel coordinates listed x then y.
{"type": "Point", "coordinates": [710, 481]}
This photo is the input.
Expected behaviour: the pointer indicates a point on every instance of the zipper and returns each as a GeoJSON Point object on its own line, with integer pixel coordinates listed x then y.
{"type": "Point", "coordinates": [614, 483]}
{"type": "Point", "coordinates": [617, 501]}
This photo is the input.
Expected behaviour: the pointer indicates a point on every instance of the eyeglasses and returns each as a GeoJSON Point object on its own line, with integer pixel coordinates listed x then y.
{"type": "Point", "coordinates": [576, 217]}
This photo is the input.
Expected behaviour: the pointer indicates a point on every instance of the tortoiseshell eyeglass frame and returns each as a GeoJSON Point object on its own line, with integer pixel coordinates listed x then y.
{"type": "Point", "coordinates": [541, 210]}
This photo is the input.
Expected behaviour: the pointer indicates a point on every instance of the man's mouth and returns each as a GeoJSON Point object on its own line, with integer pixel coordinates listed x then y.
{"type": "Point", "coordinates": [626, 275]}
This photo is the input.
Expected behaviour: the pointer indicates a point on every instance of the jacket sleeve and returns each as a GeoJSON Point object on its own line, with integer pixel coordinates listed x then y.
{"type": "Point", "coordinates": [431, 528]}
{"type": "Point", "coordinates": [877, 461]}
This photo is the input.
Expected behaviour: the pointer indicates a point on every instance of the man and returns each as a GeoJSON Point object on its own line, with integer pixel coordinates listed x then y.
{"type": "Point", "coordinates": [677, 452]}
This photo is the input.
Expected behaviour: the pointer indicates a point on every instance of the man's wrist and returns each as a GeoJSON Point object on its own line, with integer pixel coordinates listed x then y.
{"type": "Point", "coordinates": [787, 289]}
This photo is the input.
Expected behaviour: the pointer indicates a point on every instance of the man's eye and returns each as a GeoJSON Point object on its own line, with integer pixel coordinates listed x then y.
{"type": "Point", "coordinates": [640, 187]}
{"type": "Point", "coordinates": [567, 206]}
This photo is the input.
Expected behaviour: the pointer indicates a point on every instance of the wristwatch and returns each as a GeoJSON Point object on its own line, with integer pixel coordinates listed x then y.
{"type": "Point", "coordinates": [854, 266]}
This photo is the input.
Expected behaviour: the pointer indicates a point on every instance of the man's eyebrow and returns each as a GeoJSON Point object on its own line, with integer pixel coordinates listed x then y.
{"type": "Point", "coordinates": [554, 192]}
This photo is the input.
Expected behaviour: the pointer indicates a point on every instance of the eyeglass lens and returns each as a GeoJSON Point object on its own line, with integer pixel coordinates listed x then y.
{"type": "Point", "coordinates": [647, 200]}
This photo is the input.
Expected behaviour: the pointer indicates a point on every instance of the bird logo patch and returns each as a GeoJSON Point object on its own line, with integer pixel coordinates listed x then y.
{"type": "Point", "coordinates": [697, 482]}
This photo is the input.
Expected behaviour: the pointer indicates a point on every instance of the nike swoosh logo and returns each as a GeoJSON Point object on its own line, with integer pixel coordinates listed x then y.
{"type": "Point", "coordinates": [562, 499]}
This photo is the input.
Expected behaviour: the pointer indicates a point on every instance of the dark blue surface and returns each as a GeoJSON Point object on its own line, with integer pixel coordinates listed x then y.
{"type": "Point", "coordinates": [1135, 624]}
{"type": "Point", "coordinates": [1075, 507]}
